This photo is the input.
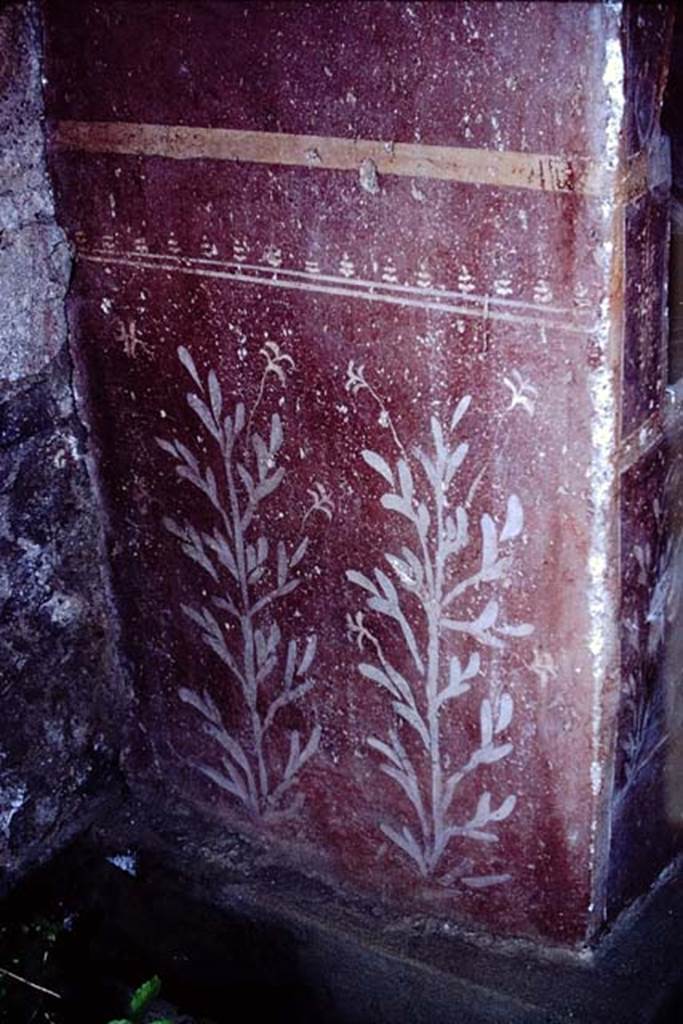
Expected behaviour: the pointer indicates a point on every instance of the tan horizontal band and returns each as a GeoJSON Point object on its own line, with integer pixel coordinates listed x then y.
{"type": "Point", "coordinates": [536, 171]}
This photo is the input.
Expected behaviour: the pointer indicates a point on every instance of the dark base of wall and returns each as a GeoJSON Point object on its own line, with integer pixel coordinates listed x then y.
{"type": "Point", "coordinates": [221, 924]}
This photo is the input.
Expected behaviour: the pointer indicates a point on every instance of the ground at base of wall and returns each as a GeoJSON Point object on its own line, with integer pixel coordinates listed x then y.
{"type": "Point", "coordinates": [162, 901]}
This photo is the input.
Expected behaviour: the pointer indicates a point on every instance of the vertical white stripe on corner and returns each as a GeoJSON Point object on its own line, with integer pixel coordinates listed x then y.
{"type": "Point", "coordinates": [603, 602]}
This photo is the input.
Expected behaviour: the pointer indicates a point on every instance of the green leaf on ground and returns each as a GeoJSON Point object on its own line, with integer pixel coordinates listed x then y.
{"type": "Point", "coordinates": [144, 995]}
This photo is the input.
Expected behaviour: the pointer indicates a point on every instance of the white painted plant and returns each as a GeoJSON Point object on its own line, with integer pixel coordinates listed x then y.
{"type": "Point", "coordinates": [645, 732]}
{"type": "Point", "coordinates": [423, 586]}
{"type": "Point", "coordinates": [644, 736]}
{"type": "Point", "coordinates": [249, 575]}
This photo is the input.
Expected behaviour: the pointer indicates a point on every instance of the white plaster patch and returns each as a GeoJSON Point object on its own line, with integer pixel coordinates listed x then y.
{"type": "Point", "coordinates": [127, 862]}
{"type": "Point", "coordinates": [12, 799]}
{"type": "Point", "coordinates": [64, 608]}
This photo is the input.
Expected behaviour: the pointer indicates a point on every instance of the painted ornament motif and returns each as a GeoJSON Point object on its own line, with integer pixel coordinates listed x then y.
{"type": "Point", "coordinates": [248, 575]}
{"type": "Point", "coordinates": [419, 602]}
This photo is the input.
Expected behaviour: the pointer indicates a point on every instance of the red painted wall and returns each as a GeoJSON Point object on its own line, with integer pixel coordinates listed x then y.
{"type": "Point", "coordinates": [356, 421]}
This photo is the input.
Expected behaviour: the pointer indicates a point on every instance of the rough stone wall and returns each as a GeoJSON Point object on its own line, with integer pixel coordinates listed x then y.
{"type": "Point", "coordinates": [56, 667]}
{"type": "Point", "coordinates": [674, 128]}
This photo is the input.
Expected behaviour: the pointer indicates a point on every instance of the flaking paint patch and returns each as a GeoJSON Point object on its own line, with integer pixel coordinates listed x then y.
{"type": "Point", "coordinates": [613, 80]}
{"type": "Point", "coordinates": [602, 612]}
{"type": "Point", "coordinates": [604, 422]}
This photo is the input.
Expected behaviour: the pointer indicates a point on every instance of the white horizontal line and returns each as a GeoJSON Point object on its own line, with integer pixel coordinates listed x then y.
{"type": "Point", "coordinates": [376, 292]}
{"type": "Point", "coordinates": [337, 279]}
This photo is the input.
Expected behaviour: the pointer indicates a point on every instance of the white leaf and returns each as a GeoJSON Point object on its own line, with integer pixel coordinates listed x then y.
{"type": "Point", "coordinates": [274, 637]}
{"type": "Point", "coordinates": [388, 588]}
{"type": "Point", "coordinates": [173, 527]}
{"type": "Point", "coordinates": [460, 410]}
{"type": "Point", "coordinates": [188, 362]}
{"type": "Point", "coordinates": [282, 564]}
{"type": "Point", "coordinates": [202, 411]}
{"type": "Point", "coordinates": [514, 520]}
{"type": "Point", "coordinates": [423, 519]}
{"type": "Point", "coordinates": [294, 752]}
{"type": "Point", "coordinates": [414, 563]}
{"type": "Point", "coordinates": [504, 712]}
{"type": "Point", "coordinates": [437, 434]}
{"type": "Point", "coordinates": [226, 605]}
{"type": "Point", "coordinates": [456, 685]}
{"type": "Point", "coordinates": [192, 698]}
{"type": "Point", "coordinates": [291, 661]}
{"type": "Point", "coordinates": [267, 486]}
{"type": "Point", "coordinates": [400, 683]}
{"type": "Point", "coordinates": [215, 395]}
{"type": "Point", "coordinates": [483, 812]}
{"type": "Point", "coordinates": [362, 581]}
{"type": "Point", "coordinates": [377, 676]}
{"type": "Point", "coordinates": [456, 677]}
{"type": "Point", "coordinates": [487, 617]}
{"type": "Point", "coordinates": [309, 655]}
{"type": "Point", "coordinates": [187, 474]}
{"type": "Point", "coordinates": [402, 570]}
{"type": "Point", "coordinates": [311, 746]}
{"type": "Point", "coordinates": [188, 457]}
{"type": "Point", "coordinates": [299, 553]}
{"type": "Point", "coordinates": [489, 755]}
{"type": "Point", "coordinates": [262, 456]}
{"type": "Point", "coordinates": [380, 466]}
{"type": "Point", "coordinates": [473, 666]}
{"type": "Point", "coordinates": [211, 488]}
{"type": "Point", "coordinates": [385, 749]}
{"type": "Point", "coordinates": [237, 753]}
{"type": "Point", "coordinates": [228, 785]}
{"type": "Point", "coordinates": [429, 468]}
{"type": "Point", "coordinates": [198, 555]}
{"type": "Point", "coordinates": [192, 614]}
{"type": "Point", "coordinates": [406, 480]}
{"type": "Point", "coordinates": [406, 782]}
{"type": "Point", "coordinates": [486, 722]}
{"type": "Point", "coordinates": [167, 446]}
{"type": "Point", "coordinates": [412, 718]}
{"type": "Point", "coordinates": [275, 433]}
{"type": "Point", "coordinates": [210, 623]}
{"type": "Point", "coordinates": [393, 503]}
{"type": "Point", "coordinates": [522, 629]}
{"type": "Point", "coordinates": [455, 462]}
{"type": "Point", "coordinates": [219, 544]}
{"type": "Point", "coordinates": [260, 646]}
{"type": "Point", "coordinates": [407, 843]}
{"type": "Point", "coordinates": [489, 551]}
{"type": "Point", "coordinates": [484, 881]}
{"type": "Point", "coordinates": [462, 524]}
{"type": "Point", "coordinates": [239, 417]}
{"type": "Point", "coordinates": [505, 809]}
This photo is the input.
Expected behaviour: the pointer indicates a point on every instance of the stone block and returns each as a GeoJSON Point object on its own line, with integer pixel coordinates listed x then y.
{"type": "Point", "coordinates": [57, 665]}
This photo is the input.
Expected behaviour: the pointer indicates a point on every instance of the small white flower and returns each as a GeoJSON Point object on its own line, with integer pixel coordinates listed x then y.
{"type": "Point", "coordinates": [523, 392]}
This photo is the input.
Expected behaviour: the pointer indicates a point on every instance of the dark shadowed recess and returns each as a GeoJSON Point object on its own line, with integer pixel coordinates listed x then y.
{"type": "Point", "coordinates": [227, 940]}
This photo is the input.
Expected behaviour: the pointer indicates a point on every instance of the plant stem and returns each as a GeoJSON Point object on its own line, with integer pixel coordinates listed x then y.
{"type": "Point", "coordinates": [31, 984]}
{"type": "Point", "coordinates": [251, 689]}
